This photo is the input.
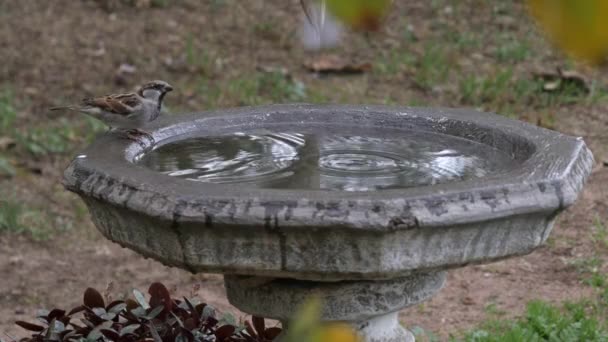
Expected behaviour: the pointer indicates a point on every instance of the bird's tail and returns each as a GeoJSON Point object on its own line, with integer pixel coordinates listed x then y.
{"type": "Point", "coordinates": [72, 108]}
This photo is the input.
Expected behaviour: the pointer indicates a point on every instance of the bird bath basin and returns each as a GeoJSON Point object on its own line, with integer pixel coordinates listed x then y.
{"type": "Point", "coordinates": [365, 206]}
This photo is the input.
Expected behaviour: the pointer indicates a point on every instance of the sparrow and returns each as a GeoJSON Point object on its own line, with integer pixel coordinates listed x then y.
{"type": "Point", "coordinates": [128, 111]}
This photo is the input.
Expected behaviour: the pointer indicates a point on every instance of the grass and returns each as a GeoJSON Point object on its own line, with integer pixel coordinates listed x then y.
{"type": "Point", "coordinates": [599, 233]}
{"type": "Point", "coordinates": [545, 322]}
{"type": "Point", "coordinates": [432, 67]}
{"type": "Point", "coordinates": [199, 59]}
{"type": "Point", "coordinates": [256, 89]}
{"type": "Point", "coordinates": [8, 114]}
{"type": "Point", "coordinates": [58, 137]}
{"type": "Point", "coordinates": [16, 218]}
{"type": "Point", "coordinates": [512, 50]}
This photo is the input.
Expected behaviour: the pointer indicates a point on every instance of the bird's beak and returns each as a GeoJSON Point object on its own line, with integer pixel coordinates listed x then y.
{"type": "Point", "coordinates": [168, 88]}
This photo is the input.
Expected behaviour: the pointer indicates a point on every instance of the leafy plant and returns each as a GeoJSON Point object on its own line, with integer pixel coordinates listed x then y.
{"type": "Point", "coordinates": [159, 318]}
{"type": "Point", "coordinates": [545, 322]}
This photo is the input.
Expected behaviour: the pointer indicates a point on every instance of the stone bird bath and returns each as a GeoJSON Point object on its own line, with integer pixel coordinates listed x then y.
{"type": "Point", "coordinates": [366, 206]}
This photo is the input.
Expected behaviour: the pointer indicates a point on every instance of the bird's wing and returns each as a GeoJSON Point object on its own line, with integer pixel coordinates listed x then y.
{"type": "Point", "coordinates": [122, 104]}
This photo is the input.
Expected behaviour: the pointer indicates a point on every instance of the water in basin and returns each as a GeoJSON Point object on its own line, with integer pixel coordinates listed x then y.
{"type": "Point", "coordinates": [327, 160]}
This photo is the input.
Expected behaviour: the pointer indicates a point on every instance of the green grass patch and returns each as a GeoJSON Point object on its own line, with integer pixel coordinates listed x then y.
{"type": "Point", "coordinates": [8, 114]}
{"type": "Point", "coordinates": [432, 67]}
{"type": "Point", "coordinates": [60, 136]}
{"type": "Point", "coordinates": [17, 218]}
{"type": "Point", "coordinates": [512, 49]}
{"type": "Point", "coordinates": [545, 322]}
{"type": "Point", "coordinates": [262, 88]}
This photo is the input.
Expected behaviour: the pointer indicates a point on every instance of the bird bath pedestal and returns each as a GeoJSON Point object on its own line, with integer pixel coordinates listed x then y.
{"type": "Point", "coordinates": [365, 206]}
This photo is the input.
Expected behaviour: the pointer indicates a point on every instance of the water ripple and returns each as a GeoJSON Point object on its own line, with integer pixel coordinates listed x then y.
{"type": "Point", "coordinates": [287, 160]}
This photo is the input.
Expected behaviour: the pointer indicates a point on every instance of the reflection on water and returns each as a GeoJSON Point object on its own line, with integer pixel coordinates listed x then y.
{"type": "Point", "coordinates": [327, 161]}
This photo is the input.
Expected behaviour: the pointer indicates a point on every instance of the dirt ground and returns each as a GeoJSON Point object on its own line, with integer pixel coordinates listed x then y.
{"type": "Point", "coordinates": [54, 52]}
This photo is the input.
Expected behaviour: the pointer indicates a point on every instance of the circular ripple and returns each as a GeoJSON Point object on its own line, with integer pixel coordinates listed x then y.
{"type": "Point", "coordinates": [327, 161]}
{"type": "Point", "coordinates": [227, 159]}
{"type": "Point", "coordinates": [350, 161]}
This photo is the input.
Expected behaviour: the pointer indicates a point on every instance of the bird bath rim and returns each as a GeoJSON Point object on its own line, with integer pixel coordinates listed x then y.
{"type": "Point", "coordinates": [552, 171]}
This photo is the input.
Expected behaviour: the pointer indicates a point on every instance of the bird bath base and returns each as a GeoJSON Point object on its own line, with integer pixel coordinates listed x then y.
{"type": "Point", "coordinates": [371, 307]}
{"type": "Point", "coordinates": [366, 253]}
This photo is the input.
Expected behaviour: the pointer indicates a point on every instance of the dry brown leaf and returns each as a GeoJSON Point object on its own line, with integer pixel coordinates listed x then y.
{"type": "Point", "coordinates": [273, 70]}
{"type": "Point", "coordinates": [556, 80]}
{"type": "Point", "coordinates": [468, 301]}
{"type": "Point", "coordinates": [336, 64]}
{"type": "Point", "coordinates": [6, 143]}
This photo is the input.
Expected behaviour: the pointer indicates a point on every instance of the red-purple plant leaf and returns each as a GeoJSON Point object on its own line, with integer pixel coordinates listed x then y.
{"type": "Point", "coordinates": [81, 330]}
{"type": "Point", "coordinates": [224, 332]}
{"type": "Point", "coordinates": [110, 333]}
{"type": "Point", "coordinates": [159, 295]}
{"type": "Point", "coordinates": [65, 320]}
{"type": "Point", "coordinates": [56, 313]}
{"type": "Point", "coordinates": [30, 326]}
{"type": "Point", "coordinates": [181, 312]}
{"type": "Point", "coordinates": [272, 333]}
{"type": "Point", "coordinates": [193, 311]}
{"type": "Point", "coordinates": [187, 334]}
{"type": "Point", "coordinates": [93, 299]}
{"type": "Point", "coordinates": [200, 308]}
{"type": "Point", "coordinates": [76, 310]}
{"type": "Point", "coordinates": [190, 323]}
{"type": "Point", "coordinates": [258, 324]}
{"type": "Point", "coordinates": [88, 323]}
{"type": "Point", "coordinates": [130, 317]}
{"type": "Point", "coordinates": [67, 335]}
{"type": "Point", "coordinates": [131, 304]}
{"type": "Point", "coordinates": [211, 322]}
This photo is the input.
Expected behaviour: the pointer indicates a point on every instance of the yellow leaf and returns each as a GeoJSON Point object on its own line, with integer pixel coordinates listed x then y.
{"type": "Point", "coordinates": [579, 27]}
{"type": "Point", "coordinates": [360, 14]}
{"type": "Point", "coordinates": [336, 332]}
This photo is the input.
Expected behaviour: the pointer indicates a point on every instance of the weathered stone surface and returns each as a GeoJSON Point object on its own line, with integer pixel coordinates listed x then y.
{"type": "Point", "coordinates": [332, 235]}
{"type": "Point", "coordinates": [353, 301]}
{"type": "Point", "coordinates": [371, 307]}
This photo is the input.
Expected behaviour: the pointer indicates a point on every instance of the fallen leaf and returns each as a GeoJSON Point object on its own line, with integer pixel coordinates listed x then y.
{"type": "Point", "coordinates": [559, 79]}
{"type": "Point", "coordinates": [6, 143]}
{"type": "Point", "coordinates": [274, 70]}
{"type": "Point", "coordinates": [468, 301]}
{"type": "Point", "coordinates": [335, 64]}
{"type": "Point", "coordinates": [120, 78]}
{"type": "Point", "coordinates": [126, 68]}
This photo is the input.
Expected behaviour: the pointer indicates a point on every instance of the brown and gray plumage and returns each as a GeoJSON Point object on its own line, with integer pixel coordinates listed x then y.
{"type": "Point", "coordinates": [126, 111]}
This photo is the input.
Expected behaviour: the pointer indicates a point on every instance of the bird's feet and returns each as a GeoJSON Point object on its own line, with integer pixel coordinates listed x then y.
{"type": "Point", "coordinates": [135, 134]}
